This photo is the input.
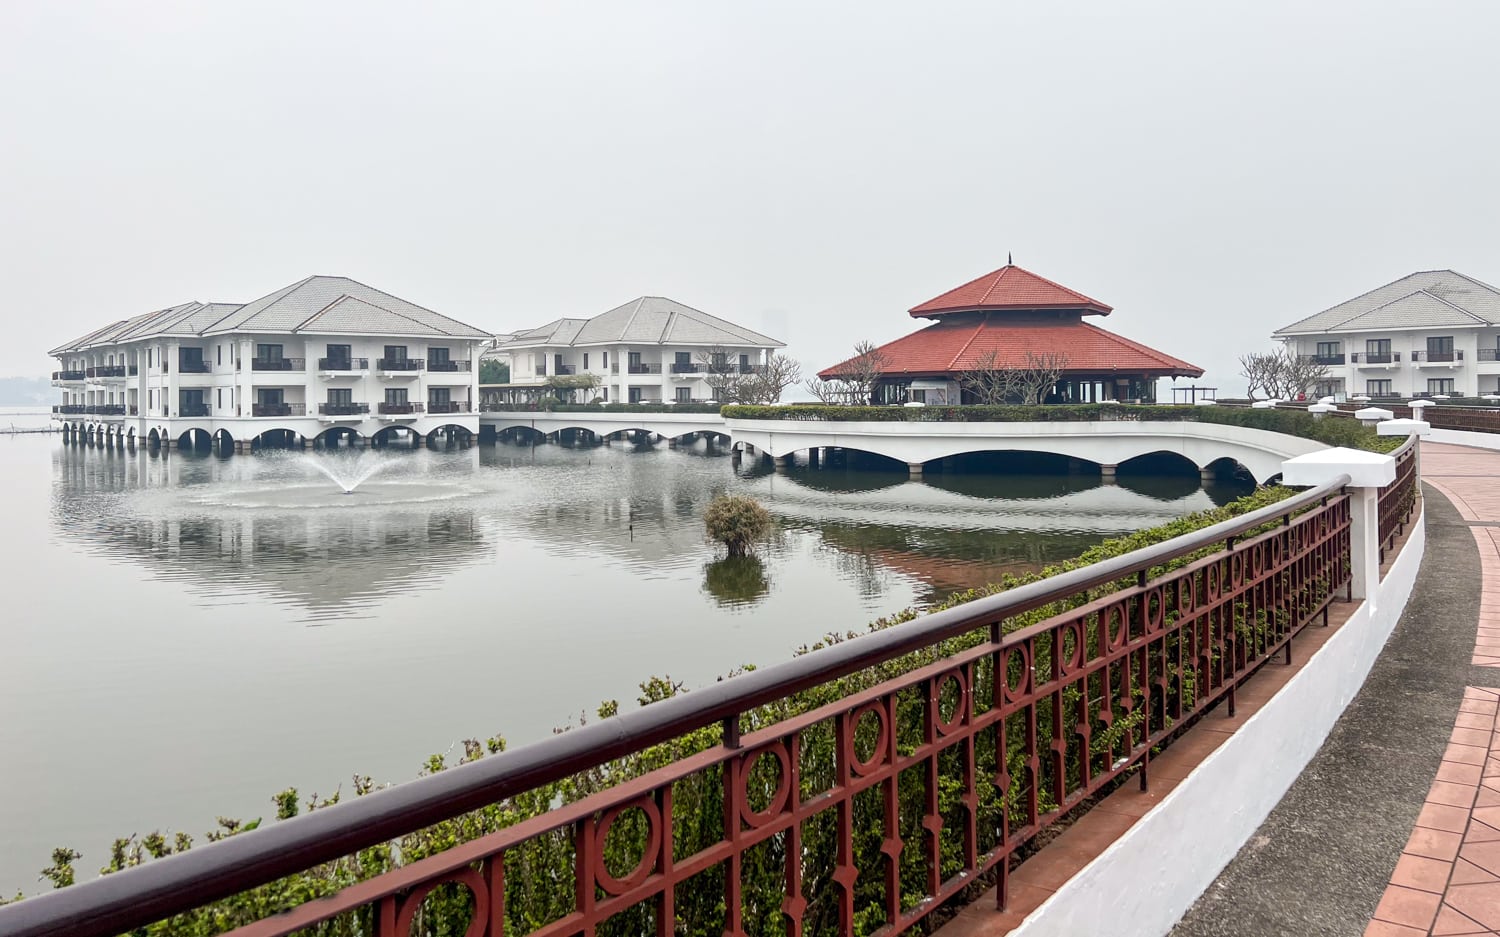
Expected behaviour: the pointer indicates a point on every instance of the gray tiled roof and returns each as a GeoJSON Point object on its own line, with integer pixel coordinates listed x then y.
{"type": "Point", "coordinates": [556, 332]}
{"type": "Point", "coordinates": [301, 307]}
{"type": "Point", "coordinates": [335, 305]}
{"type": "Point", "coordinates": [649, 320]}
{"type": "Point", "coordinates": [1428, 299]}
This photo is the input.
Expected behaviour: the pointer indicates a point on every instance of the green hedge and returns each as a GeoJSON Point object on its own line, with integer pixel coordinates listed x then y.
{"type": "Point", "coordinates": [1332, 431]}
{"type": "Point", "coordinates": [539, 872]}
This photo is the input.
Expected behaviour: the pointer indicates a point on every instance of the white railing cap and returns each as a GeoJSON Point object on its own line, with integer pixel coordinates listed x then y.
{"type": "Point", "coordinates": [1365, 469]}
{"type": "Point", "coordinates": [1373, 413]}
{"type": "Point", "coordinates": [1403, 428]}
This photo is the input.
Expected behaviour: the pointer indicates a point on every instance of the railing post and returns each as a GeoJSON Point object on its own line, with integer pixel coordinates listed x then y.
{"type": "Point", "coordinates": [1368, 472]}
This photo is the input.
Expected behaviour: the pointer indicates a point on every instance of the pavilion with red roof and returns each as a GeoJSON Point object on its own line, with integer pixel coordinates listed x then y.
{"type": "Point", "coordinates": [993, 322]}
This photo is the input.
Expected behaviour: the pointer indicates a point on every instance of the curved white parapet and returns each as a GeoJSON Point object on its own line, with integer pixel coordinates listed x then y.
{"type": "Point", "coordinates": [1105, 442]}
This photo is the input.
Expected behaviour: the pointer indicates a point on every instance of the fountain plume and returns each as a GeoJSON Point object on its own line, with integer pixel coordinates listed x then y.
{"type": "Point", "coordinates": [348, 474]}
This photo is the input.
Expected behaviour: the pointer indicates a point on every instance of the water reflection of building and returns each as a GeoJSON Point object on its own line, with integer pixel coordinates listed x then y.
{"type": "Point", "coordinates": [328, 562]}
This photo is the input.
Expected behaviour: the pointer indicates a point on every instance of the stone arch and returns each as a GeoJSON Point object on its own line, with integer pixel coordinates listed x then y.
{"type": "Point", "coordinates": [223, 442]}
{"type": "Point", "coordinates": [449, 434]}
{"type": "Point", "coordinates": [1227, 468]}
{"type": "Point", "coordinates": [153, 438]}
{"type": "Point", "coordinates": [277, 437]}
{"type": "Point", "coordinates": [339, 436]}
{"type": "Point", "coordinates": [1158, 462]}
{"type": "Point", "coordinates": [382, 437]}
{"type": "Point", "coordinates": [195, 439]}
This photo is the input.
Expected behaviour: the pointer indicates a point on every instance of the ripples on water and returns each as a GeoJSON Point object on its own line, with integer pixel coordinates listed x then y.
{"type": "Point", "coordinates": [216, 629]}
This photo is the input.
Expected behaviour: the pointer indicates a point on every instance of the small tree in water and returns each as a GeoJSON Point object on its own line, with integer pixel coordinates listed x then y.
{"type": "Point", "coordinates": [736, 521]}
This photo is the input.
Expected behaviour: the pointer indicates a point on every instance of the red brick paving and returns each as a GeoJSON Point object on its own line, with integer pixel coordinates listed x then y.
{"type": "Point", "coordinates": [1447, 881]}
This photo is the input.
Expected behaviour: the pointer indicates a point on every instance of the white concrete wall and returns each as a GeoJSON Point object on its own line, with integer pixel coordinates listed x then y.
{"type": "Point", "coordinates": [1459, 437]}
{"type": "Point", "coordinates": [1141, 880]}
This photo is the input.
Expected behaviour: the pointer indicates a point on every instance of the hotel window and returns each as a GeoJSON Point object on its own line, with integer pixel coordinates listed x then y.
{"type": "Point", "coordinates": [340, 357]}
{"type": "Point", "coordinates": [585, 361]}
{"type": "Point", "coordinates": [395, 353]}
{"type": "Point", "coordinates": [720, 362]}
{"type": "Point", "coordinates": [340, 396]}
{"type": "Point", "coordinates": [219, 398]}
{"type": "Point", "coordinates": [635, 395]}
{"type": "Point", "coordinates": [635, 361]}
{"type": "Point", "coordinates": [218, 355]}
{"type": "Point", "coordinates": [1440, 348]}
{"type": "Point", "coordinates": [919, 396]}
{"type": "Point", "coordinates": [1440, 385]}
{"type": "Point", "coordinates": [606, 395]}
{"type": "Point", "coordinates": [1378, 350]}
{"type": "Point", "coordinates": [268, 352]}
{"type": "Point", "coordinates": [395, 395]}
{"type": "Point", "coordinates": [1329, 349]}
{"type": "Point", "coordinates": [684, 395]}
{"type": "Point", "coordinates": [539, 364]}
{"type": "Point", "coordinates": [438, 356]}
{"type": "Point", "coordinates": [605, 359]}
{"type": "Point", "coordinates": [744, 364]}
{"type": "Point", "coordinates": [1378, 388]}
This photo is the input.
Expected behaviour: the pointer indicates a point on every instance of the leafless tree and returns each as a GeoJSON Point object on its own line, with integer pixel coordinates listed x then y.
{"type": "Point", "coordinates": [721, 373]}
{"type": "Point", "coordinates": [854, 380]}
{"type": "Point", "coordinates": [1261, 373]}
{"type": "Point", "coordinates": [1282, 374]}
{"type": "Point", "coordinates": [774, 377]}
{"type": "Point", "coordinates": [1299, 373]}
{"type": "Point", "coordinates": [988, 382]}
{"type": "Point", "coordinates": [1037, 377]}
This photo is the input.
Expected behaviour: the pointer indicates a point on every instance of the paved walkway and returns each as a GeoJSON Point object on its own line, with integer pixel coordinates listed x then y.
{"type": "Point", "coordinates": [1393, 829]}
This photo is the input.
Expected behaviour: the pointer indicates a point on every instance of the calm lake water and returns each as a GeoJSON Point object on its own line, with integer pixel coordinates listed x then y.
{"type": "Point", "coordinates": [185, 635]}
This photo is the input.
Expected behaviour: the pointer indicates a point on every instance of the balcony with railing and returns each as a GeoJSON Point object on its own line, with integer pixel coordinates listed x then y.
{"type": "Point", "coordinates": [107, 371]}
{"type": "Point", "coordinates": [277, 364]}
{"type": "Point", "coordinates": [105, 409]}
{"type": "Point", "coordinates": [679, 367]}
{"type": "Point", "coordinates": [343, 409]}
{"type": "Point", "coordinates": [191, 367]}
{"type": "Point", "coordinates": [69, 409]}
{"type": "Point", "coordinates": [1437, 357]}
{"type": "Point", "coordinates": [752, 369]}
{"type": "Point", "coordinates": [278, 409]}
{"type": "Point", "coordinates": [401, 365]}
{"type": "Point", "coordinates": [565, 369]}
{"type": "Point", "coordinates": [1489, 354]}
{"type": "Point", "coordinates": [335, 365]}
{"type": "Point", "coordinates": [388, 408]}
{"type": "Point", "coordinates": [1327, 360]}
{"type": "Point", "coordinates": [1363, 358]}
{"type": "Point", "coordinates": [192, 409]}
{"type": "Point", "coordinates": [448, 406]}
{"type": "Point", "coordinates": [644, 367]}
{"type": "Point", "coordinates": [451, 366]}
{"type": "Point", "coordinates": [61, 377]}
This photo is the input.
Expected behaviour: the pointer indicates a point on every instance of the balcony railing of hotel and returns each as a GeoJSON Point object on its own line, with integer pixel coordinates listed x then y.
{"type": "Point", "coordinates": [1324, 359]}
{"type": "Point", "coordinates": [448, 406]}
{"type": "Point", "coordinates": [401, 364]}
{"type": "Point", "coordinates": [69, 409]}
{"type": "Point", "coordinates": [343, 409]}
{"type": "Point", "coordinates": [192, 409]}
{"type": "Point", "coordinates": [1376, 357]}
{"type": "Point", "coordinates": [752, 369]}
{"type": "Point", "coordinates": [564, 369]}
{"type": "Point", "coordinates": [278, 409]}
{"type": "Point", "coordinates": [109, 370]}
{"type": "Point", "coordinates": [400, 408]}
{"type": "Point", "coordinates": [68, 375]}
{"type": "Point", "coordinates": [456, 366]}
{"type": "Point", "coordinates": [1437, 356]}
{"type": "Point", "coordinates": [1489, 354]}
{"type": "Point", "coordinates": [105, 409]}
{"type": "Point", "coordinates": [680, 368]}
{"type": "Point", "coordinates": [277, 364]}
{"type": "Point", "coordinates": [645, 368]}
{"type": "Point", "coordinates": [804, 765]}
{"type": "Point", "coordinates": [191, 367]}
{"type": "Point", "coordinates": [343, 364]}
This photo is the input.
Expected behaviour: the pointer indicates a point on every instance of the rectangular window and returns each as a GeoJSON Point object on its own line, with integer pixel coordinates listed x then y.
{"type": "Point", "coordinates": [606, 395]}
{"type": "Point", "coordinates": [340, 355]}
{"type": "Point", "coordinates": [1378, 388]}
{"type": "Point", "coordinates": [635, 359]}
{"type": "Point", "coordinates": [684, 395]}
{"type": "Point", "coordinates": [395, 395]}
{"type": "Point", "coordinates": [744, 364]}
{"type": "Point", "coordinates": [268, 352]}
{"type": "Point", "coordinates": [269, 396]}
{"type": "Point", "coordinates": [606, 358]}
{"type": "Point", "coordinates": [218, 355]}
{"type": "Point", "coordinates": [720, 361]}
{"type": "Point", "coordinates": [635, 395]}
{"type": "Point", "coordinates": [557, 364]}
{"type": "Point", "coordinates": [395, 353]}
{"type": "Point", "coordinates": [919, 396]}
{"type": "Point", "coordinates": [220, 401]}
{"type": "Point", "coordinates": [437, 356]}
{"type": "Point", "coordinates": [585, 361]}
{"type": "Point", "coordinates": [540, 364]}
{"type": "Point", "coordinates": [1440, 348]}
{"type": "Point", "coordinates": [438, 395]}
{"type": "Point", "coordinates": [1440, 385]}
{"type": "Point", "coordinates": [340, 396]}
{"type": "Point", "coordinates": [684, 358]}
{"type": "Point", "coordinates": [190, 360]}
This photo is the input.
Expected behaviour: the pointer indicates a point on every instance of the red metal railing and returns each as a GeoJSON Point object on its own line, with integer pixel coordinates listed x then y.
{"type": "Point", "coordinates": [1399, 498]}
{"type": "Point", "coordinates": [943, 747]}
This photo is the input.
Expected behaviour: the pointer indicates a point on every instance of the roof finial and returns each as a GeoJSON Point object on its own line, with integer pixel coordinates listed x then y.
{"type": "Point", "coordinates": [1008, 261]}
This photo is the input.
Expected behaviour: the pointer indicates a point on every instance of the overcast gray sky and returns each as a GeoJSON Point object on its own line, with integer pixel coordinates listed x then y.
{"type": "Point", "coordinates": [1212, 170]}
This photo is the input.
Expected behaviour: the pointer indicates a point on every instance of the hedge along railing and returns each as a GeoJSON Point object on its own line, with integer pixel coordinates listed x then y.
{"type": "Point", "coordinates": [1334, 432]}
{"type": "Point", "coordinates": [1398, 499]}
{"type": "Point", "coordinates": [961, 744]}
{"type": "Point", "coordinates": [607, 408]}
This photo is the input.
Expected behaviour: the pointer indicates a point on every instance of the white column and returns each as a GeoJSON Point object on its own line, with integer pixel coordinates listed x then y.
{"type": "Point", "coordinates": [1368, 472]}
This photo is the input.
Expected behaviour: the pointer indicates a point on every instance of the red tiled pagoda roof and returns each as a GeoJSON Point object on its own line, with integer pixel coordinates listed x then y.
{"type": "Point", "coordinates": [1009, 288]}
{"type": "Point", "coordinates": [952, 346]}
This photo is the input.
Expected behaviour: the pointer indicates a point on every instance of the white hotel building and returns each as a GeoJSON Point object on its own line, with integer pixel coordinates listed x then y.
{"type": "Point", "coordinates": [1431, 333]}
{"type": "Point", "coordinates": [322, 359]}
{"type": "Point", "coordinates": [650, 350]}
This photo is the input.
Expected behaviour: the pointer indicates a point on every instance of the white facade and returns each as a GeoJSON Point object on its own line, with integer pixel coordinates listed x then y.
{"type": "Point", "coordinates": [327, 353]}
{"type": "Point", "coordinates": [651, 350]}
{"type": "Point", "coordinates": [1431, 333]}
